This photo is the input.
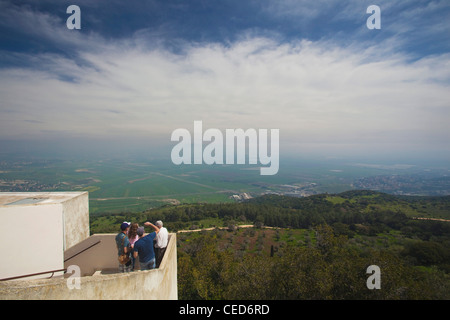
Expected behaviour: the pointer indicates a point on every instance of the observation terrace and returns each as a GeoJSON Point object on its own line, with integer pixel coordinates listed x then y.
{"type": "Point", "coordinates": [36, 264]}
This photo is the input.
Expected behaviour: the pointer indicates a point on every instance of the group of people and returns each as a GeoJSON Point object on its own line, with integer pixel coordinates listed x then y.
{"type": "Point", "coordinates": [132, 242]}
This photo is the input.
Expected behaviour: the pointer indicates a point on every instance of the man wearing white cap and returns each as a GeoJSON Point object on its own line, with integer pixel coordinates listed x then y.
{"type": "Point", "coordinates": [161, 242]}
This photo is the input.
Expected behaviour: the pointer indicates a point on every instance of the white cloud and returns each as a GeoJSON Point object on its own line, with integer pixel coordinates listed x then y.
{"type": "Point", "coordinates": [314, 92]}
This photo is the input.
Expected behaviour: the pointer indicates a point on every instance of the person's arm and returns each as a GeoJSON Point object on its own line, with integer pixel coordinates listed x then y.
{"type": "Point", "coordinates": [125, 244]}
{"type": "Point", "coordinates": [149, 224]}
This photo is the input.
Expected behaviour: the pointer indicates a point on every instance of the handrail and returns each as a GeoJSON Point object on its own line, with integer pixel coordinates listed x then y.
{"type": "Point", "coordinates": [35, 274]}
{"type": "Point", "coordinates": [51, 271]}
{"type": "Point", "coordinates": [83, 250]}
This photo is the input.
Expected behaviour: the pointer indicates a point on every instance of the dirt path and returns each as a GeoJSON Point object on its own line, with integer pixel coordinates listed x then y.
{"type": "Point", "coordinates": [434, 219]}
{"type": "Point", "coordinates": [223, 228]}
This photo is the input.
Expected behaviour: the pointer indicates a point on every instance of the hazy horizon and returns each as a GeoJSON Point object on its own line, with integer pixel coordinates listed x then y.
{"type": "Point", "coordinates": [140, 151]}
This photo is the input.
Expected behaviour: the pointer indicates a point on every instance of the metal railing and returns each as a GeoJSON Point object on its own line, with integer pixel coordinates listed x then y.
{"type": "Point", "coordinates": [51, 271]}
{"type": "Point", "coordinates": [83, 250]}
{"type": "Point", "coordinates": [34, 274]}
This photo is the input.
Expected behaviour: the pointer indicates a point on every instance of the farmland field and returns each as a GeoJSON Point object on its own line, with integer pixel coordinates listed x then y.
{"type": "Point", "coordinates": [118, 185]}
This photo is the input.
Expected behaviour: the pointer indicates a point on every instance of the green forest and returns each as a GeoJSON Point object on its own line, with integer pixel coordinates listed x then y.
{"type": "Point", "coordinates": [317, 247]}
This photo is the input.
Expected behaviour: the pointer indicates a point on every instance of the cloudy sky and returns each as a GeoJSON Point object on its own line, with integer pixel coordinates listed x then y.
{"type": "Point", "coordinates": [137, 70]}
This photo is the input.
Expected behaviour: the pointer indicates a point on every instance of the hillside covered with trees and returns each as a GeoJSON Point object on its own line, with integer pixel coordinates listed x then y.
{"type": "Point", "coordinates": [317, 247]}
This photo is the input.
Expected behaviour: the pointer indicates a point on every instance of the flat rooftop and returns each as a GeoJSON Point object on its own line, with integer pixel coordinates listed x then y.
{"type": "Point", "coordinates": [35, 198]}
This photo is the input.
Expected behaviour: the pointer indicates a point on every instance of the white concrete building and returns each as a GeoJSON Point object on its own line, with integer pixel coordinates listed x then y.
{"type": "Point", "coordinates": [38, 227]}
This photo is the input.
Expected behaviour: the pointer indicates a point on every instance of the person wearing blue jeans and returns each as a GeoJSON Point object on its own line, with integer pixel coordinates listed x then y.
{"type": "Point", "coordinates": [144, 247]}
{"type": "Point", "coordinates": [148, 265]}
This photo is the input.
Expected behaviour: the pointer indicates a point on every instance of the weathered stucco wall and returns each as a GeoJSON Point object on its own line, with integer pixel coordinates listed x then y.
{"type": "Point", "coordinates": [98, 252]}
{"type": "Point", "coordinates": [76, 219]}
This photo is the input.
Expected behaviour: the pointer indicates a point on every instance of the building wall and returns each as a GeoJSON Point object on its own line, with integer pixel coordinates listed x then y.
{"type": "Point", "coordinates": [101, 255]}
{"type": "Point", "coordinates": [31, 240]}
{"type": "Point", "coordinates": [76, 219]}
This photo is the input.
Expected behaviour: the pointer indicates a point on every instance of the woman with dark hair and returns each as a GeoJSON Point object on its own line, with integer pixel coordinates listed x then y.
{"type": "Point", "coordinates": [133, 237]}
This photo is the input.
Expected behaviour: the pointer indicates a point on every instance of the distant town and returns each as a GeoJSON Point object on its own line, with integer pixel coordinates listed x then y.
{"type": "Point", "coordinates": [26, 186]}
{"type": "Point", "coordinates": [409, 184]}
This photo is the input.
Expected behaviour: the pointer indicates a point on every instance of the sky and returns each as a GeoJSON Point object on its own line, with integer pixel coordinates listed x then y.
{"type": "Point", "coordinates": [138, 70]}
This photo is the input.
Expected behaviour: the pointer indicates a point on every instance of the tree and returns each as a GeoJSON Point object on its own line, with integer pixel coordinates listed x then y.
{"type": "Point", "coordinates": [427, 252]}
